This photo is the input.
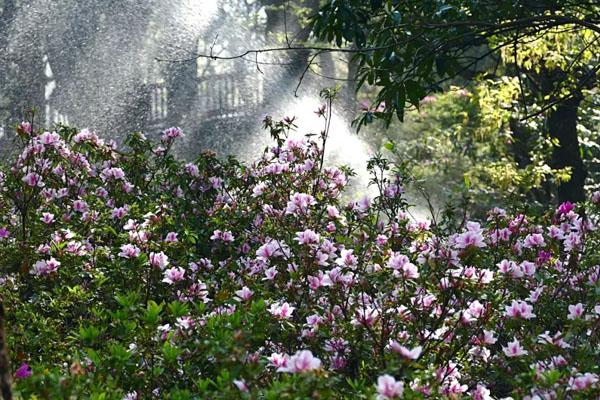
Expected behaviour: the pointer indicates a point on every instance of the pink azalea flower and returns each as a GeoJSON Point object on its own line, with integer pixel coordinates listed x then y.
{"type": "Point", "coordinates": [488, 337]}
{"type": "Point", "coordinates": [381, 240]}
{"type": "Point", "coordinates": [514, 349]}
{"type": "Point", "coordinates": [389, 388]}
{"type": "Point", "coordinates": [556, 340]}
{"type": "Point", "coordinates": [583, 382]}
{"type": "Point", "coordinates": [26, 127]}
{"type": "Point", "coordinates": [572, 241]}
{"type": "Point", "coordinates": [241, 385]}
{"type": "Point", "coordinates": [270, 274]}
{"type": "Point", "coordinates": [224, 236]}
{"type": "Point", "coordinates": [34, 180]}
{"type": "Point", "coordinates": [215, 182]}
{"type": "Point", "coordinates": [392, 190]}
{"type": "Point", "coordinates": [278, 360]}
{"type": "Point", "coordinates": [101, 192]}
{"type": "Point", "coordinates": [192, 169]}
{"type": "Point", "coordinates": [473, 237]}
{"type": "Point", "coordinates": [565, 207]}
{"type": "Point", "coordinates": [453, 388]}
{"type": "Point", "coordinates": [158, 260]}
{"type": "Point", "coordinates": [347, 259]}
{"type": "Point", "coordinates": [322, 258]}
{"type": "Point", "coordinates": [112, 173]}
{"type": "Point", "coordinates": [119, 212]}
{"type": "Point", "coordinates": [259, 189]}
{"type": "Point", "coordinates": [281, 311]}
{"type": "Point", "coordinates": [86, 135]}
{"type": "Point", "coordinates": [131, 396]}
{"type": "Point", "coordinates": [171, 237]}
{"type": "Point", "coordinates": [468, 239]}
{"type": "Point", "coordinates": [47, 218]}
{"type": "Point", "coordinates": [555, 233]}
{"type": "Point", "coordinates": [401, 264]}
{"type": "Point", "coordinates": [332, 212]}
{"type": "Point", "coordinates": [528, 268]}
{"type": "Point", "coordinates": [302, 361]}
{"type": "Point", "coordinates": [41, 268]}
{"type": "Point", "coordinates": [299, 203]}
{"type": "Point", "coordinates": [130, 225]}
{"type": "Point", "coordinates": [315, 282]}
{"type": "Point", "coordinates": [271, 249]}
{"type": "Point", "coordinates": [171, 133]}
{"type": "Point", "coordinates": [475, 310]}
{"type": "Point", "coordinates": [575, 311]}
{"type": "Point", "coordinates": [184, 323]}
{"type": "Point", "coordinates": [24, 371]}
{"type": "Point", "coordinates": [80, 206]}
{"type": "Point", "coordinates": [314, 320]}
{"type": "Point", "coordinates": [534, 240]}
{"type": "Point", "coordinates": [363, 204]}
{"type": "Point", "coordinates": [534, 295]}
{"type": "Point", "coordinates": [244, 294]}
{"type": "Point", "coordinates": [365, 316]}
{"type": "Point", "coordinates": [49, 138]}
{"type": "Point", "coordinates": [481, 393]}
{"type": "Point", "coordinates": [129, 251]}
{"type": "Point", "coordinates": [519, 309]}
{"type": "Point", "coordinates": [307, 237]}
{"type": "Point", "coordinates": [173, 275]}
{"type": "Point", "coordinates": [411, 354]}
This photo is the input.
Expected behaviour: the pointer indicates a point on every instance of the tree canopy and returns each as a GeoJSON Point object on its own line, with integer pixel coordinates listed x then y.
{"type": "Point", "coordinates": [411, 48]}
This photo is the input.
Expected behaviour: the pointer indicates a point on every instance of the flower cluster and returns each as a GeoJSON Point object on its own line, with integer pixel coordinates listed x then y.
{"type": "Point", "coordinates": [139, 276]}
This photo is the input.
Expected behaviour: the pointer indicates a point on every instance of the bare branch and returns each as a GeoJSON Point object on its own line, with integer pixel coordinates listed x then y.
{"type": "Point", "coordinates": [308, 65]}
{"type": "Point", "coordinates": [279, 50]}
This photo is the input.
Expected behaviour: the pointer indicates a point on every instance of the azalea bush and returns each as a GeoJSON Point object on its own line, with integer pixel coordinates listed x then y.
{"type": "Point", "coordinates": [128, 274]}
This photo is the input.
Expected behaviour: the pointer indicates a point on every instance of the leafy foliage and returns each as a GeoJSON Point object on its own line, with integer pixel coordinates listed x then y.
{"type": "Point", "coordinates": [409, 49]}
{"type": "Point", "coordinates": [461, 144]}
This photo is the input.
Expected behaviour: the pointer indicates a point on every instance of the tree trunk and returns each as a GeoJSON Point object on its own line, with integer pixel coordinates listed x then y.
{"type": "Point", "coordinates": [5, 372]}
{"type": "Point", "coordinates": [562, 125]}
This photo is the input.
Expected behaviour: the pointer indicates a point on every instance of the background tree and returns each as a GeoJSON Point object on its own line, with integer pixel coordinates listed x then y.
{"type": "Point", "coordinates": [410, 49]}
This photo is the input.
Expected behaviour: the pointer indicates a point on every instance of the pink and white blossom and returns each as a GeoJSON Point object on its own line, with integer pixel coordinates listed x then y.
{"type": "Point", "coordinates": [302, 361]}
{"type": "Point", "coordinates": [173, 275]}
{"type": "Point", "coordinates": [389, 388]}
{"type": "Point", "coordinates": [129, 251]}
{"type": "Point", "coordinates": [281, 310]}
{"type": "Point", "coordinates": [514, 349]}
{"type": "Point", "coordinates": [575, 311]}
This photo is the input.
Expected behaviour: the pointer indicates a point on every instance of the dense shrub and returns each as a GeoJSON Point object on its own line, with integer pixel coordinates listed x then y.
{"type": "Point", "coordinates": [129, 274]}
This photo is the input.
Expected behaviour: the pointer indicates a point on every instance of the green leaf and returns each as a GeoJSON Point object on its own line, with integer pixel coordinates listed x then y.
{"type": "Point", "coordinates": [467, 181]}
{"type": "Point", "coordinates": [399, 103]}
{"type": "Point", "coordinates": [152, 312]}
{"type": "Point", "coordinates": [178, 309]}
{"type": "Point", "coordinates": [414, 92]}
{"type": "Point", "coordinates": [170, 352]}
{"type": "Point", "coordinates": [88, 334]}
